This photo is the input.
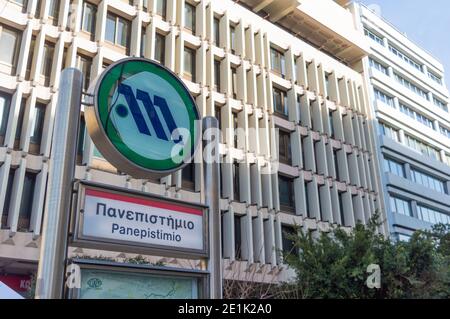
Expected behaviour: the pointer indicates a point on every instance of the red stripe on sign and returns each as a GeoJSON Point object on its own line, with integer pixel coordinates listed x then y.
{"type": "Point", "coordinates": [145, 202]}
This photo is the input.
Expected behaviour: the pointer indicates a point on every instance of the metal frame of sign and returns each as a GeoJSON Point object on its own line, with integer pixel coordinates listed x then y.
{"type": "Point", "coordinates": [202, 275]}
{"type": "Point", "coordinates": [106, 147]}
{"type": "Point", "coordinates": [80, 240]}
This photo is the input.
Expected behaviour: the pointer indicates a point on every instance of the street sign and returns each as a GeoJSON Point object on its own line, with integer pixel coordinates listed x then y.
{"type": "Point", "coordinates": [143, 119]}
{"type": "Point", "coordinates": [120, 220]}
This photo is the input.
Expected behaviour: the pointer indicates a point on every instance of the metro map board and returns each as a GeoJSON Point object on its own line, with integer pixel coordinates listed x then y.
{"type": "Point", "coordinates": [140, 220]}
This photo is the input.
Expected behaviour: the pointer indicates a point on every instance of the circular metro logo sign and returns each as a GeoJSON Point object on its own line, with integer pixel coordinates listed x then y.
{"type": "Point", "coordinates": [144, 121]}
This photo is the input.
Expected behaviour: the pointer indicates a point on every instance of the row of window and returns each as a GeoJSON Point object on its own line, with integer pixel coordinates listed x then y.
{"type": "Point", "coordinates": [287, 232]}
{"type": "Point", "coordinates": [427, 214]}
{"type": "Point", "coordinates": [37, 124]}
{"type": "Point", "coordinates": [389, 100]}
{"type": "Point", "coordinates": [417, 176]}
{"type": "Point", "coordinates": [403, 56]}
{"type": "Point", "coordinates": [412, 142]}
{"type": "Point", "coordinates": [26, 201]}
{"type": "Point", "coordinates": [416, 116]}
{"type": "Point", "coordinates": [414, 88]}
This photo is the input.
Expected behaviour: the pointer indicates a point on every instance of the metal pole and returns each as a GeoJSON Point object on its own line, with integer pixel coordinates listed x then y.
{"type": "Point", "coordinates": [50, 277]}
{"type": "Point", "coordinates": [210, 126]}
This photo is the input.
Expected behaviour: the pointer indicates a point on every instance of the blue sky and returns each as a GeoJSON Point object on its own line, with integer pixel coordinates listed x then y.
{"type": "Point", "coordinates": [427, 25]}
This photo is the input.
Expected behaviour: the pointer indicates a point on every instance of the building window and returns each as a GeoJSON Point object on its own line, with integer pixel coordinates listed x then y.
{"type": "Point", "coordinates": [386, 99]}
{"type": "Point", "coordinates": [189, 64]}
{"type": "Point", "coordinates": [341, 208]}
{"type": "Point", "coordinates": [160, 48]}
{"type": "Point", "coordinates": [89, 18]}
{"type": "Point", "coordinates": [188, 177]}
{"type": "Point", "coordinates": [336, 164]}
{"type": "Point", "coordinates": [331, 123]}
{"type": "Point", "coordinates": [84, 64]}
{"type": "Point", "coordinates": [394, 167]}
{"type": "Point", "coordinates": [237, 237]}
{"type": "Point", "coordinates": [30, 58]}
{"type": "Point", "coordinates": [444, 131]}
{"type": "Point", "coordinates": [414, 88]}
{"type": "Point", "coordinates": [432, 216]}
{"type": "Point", "coordinates": [284, 147]}
{"type": "Point", "coordinates": [189, 17]}
{"type": "Point", "coordinates": [234, 82]}
{"type": "Point", "coordinates": [218, 115]}
{"type": "Point", "coordinates": [236, 183]}
{"type": "Point", "coordinates": [287, 235]}
{"type": "Point", "coordinates": [10, 46]}
{"type": "Point", "coordinates": [389, 131]}
{"type": "Point", "coordinates": [217, 76]}
{"type": "Point", "coordinates": [233, 39]}
{"type": "Point", "coordinates": [401, 206]}
{"type": "Point", "coordinates": [286, 193]}
{"type": "Point", "coordinates": [278, 62]}
{"type": "Point", "coordinates": [416, 116]}
{"type": "Point", "coordinates": [20, 124]}
{"type": "Point", "coordinates": [53, 11]}
{"type": "Point", "coordinates": [378, 66]}
{"type": "Point", "coordinates": [235, 119]}
{"type": "Point", "coordinates": [161, 8]}
{"type": "Point", "coordinates": [23, 4]}
{"type": "Point", "coordinates": [117, 30]}
{"type": "Point", "coordinates": [440, 104]}
{"type": "Point", "coordinates": [422, 147]}
{"type": "Point", "coordinates": [373, 36]}
{"type": "Point", "coordinates": [5, 105]}
{"type": "Point", "coordinates": [8, 194]}
{"type": "Point", "coordinates": [427, 180]}
{"type": "Point", "coordinates": [280, 102]}
{"type": "Point", "coordinates": [81, 141]}
{"type": "Point", "coordinates": [435, 78]}
{"type": "Point", "coordinates": [216, 32]}
{"type": "Point", "coordinates": [26, 203]}
{"type": "Point", "coordinates": [46, 72]}
{"type": "Point", "coordinates": [37, 128]}
{"type": "Point", "coordinates": [144, 41]}
{"type": "Point", "coordinates": [405, 58]}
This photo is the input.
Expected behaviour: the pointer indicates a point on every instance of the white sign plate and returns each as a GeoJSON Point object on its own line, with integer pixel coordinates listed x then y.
{"type": "Point", "coordinates": [121, 218]}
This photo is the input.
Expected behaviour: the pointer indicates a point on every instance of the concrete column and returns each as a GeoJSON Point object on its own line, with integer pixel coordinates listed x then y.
{"type": "Point", "coordinates": [333, 93]}
{"type": "Point", "coordinates": [63, 15]}
{"type": "Point", "coordinates": [313, 78]}
{"type": "Point", "coordinates": [338, 125]}
{"type": "Point", "coordinates": [4, 175]}
{"type": "Point", "coordinates": [100, 26]}
{"type": "Point", "coordinates": [296, 147]}
{"type": "Point", "coordinates": [330, 160]}
{"type": "Point", "coordinates": [313, 199]}
{"type": "Point", "coordinates": [358, 208]}
{"type": "Point", "coordinates": [250, 51]}
{"type": "Point", "coordinates": [38, 201]}
{"type": "Point", "coordinates": [258, 239]}
{"type": "Point", "coordinates": [321, 158]}
{"type": "Point", "coordinates": [136, 35]}
{"type": "Point", "coordinates": [347, 204]}
{"type": "Point", "coordinates": [170, 47]}
{"type": "Point", "coordinates": [278, 240]}
{"type": "Point", "coordinates": [305, 111]}
{"type": "Point", "coordinates": [29, 117]}
{"type": "Point", "coordinates": [336, 213]}
{"type": "Point", "coordinates": [343, 166]}
{"type": "Point", "coordinates": [308, 149]}
{"type": "Point", "coordinates": [247, 252]}
{"type": "Point", "coordinates": [302, 72]}
{"type": "Point", "coordinates": [256, 191]}
{"type": "Point", "coordinates": [228, 233]}
{"type": "Point", "coordinates": [348, 128]}
{"type": "Point", "coordinates": [13, 117]}
{"type": "Point", "coordinates": [300, 195]}
{"type": "Point", "coordinates": [343, 92]}
{"type": "Point", "coordinates": [325, 202]}
{"type": "Point", "coordinates": [16, 196]}
{"type": "Point", "coordinates": [269, 241]}
{"type": "Point", "coordinates": [321, 80]}
{"type": "Point", "coordinates": [317, 122]}
{"type": "Point", "coordinates": [25, 44]}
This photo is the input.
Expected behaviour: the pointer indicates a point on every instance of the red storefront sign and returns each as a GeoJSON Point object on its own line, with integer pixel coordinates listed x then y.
{"type": "Point", "coordinates": [19, 283]}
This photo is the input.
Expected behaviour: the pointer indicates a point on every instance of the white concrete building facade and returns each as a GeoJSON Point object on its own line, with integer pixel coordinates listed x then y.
{"type": "Point", "coordinates": [258, 66]}
{"type": "Point", "coordinates": [411, 106]}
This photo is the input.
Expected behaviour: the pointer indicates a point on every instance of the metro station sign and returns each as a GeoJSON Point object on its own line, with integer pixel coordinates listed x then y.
{"type": "Point", "coordinates": [143, 119]}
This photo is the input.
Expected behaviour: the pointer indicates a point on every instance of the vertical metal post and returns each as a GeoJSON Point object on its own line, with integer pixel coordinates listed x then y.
{"type": "Point", "coordinates": [50, 277]}
{"type": "Point", "coordinates": [210, 128]}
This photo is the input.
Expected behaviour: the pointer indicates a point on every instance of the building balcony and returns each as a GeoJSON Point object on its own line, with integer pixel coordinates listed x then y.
{"type": "Point", "coordinates": [326, 24]}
